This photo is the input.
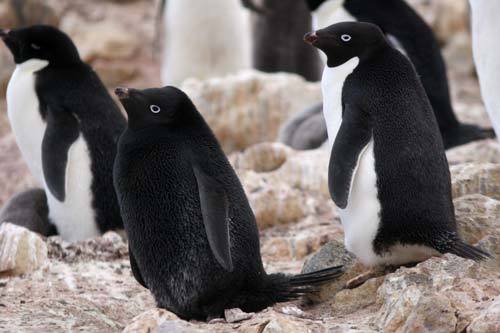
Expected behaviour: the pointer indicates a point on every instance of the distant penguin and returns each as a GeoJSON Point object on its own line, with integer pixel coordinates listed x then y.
{"type": "Point", "coordinates": [388, 171]}
{"type": "Point", "coordinates": [192, 235]}
{"type": "Point", "coordinates": [66, 126]}
{"type": "Point", "coordinates": [485, 32]}
{"type": "Point", "coordinates": [204, 39]}
{"type": "Point", "coordinates": [401, 24]}
{"type": "Point", "coordinates": [277, 39]}
{"type": "Point", "coordinates": [29, 209]}
{"type": "Point", "coordinates": [305, 130]}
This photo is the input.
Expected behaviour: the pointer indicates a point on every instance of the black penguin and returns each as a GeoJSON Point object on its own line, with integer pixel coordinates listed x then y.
{"type": "Point", "coordinates": [29, 209]}
{"type": "Point", "coordinates": [388, 171]}
{"type": "Point", "coordinates": [410, 32]}
{"type": "Point", "coordinates": [192, 235]}
{"type": "Point", "coordinates": [66, 126]}
{"type": "Point", "coordinates": [278, 27]}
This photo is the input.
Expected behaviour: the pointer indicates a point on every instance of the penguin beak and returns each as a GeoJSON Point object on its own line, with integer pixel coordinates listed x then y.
{"type": "Point", "coordinates": [122, 93]}
{"type": "Point", "coordinates": [311, 38]}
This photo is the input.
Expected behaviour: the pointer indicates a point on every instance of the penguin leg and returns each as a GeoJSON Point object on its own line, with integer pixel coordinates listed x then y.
{"type": "Point", "coordinates": [135, 269]}
{"type": "Point", "coordinates": [29, 209]}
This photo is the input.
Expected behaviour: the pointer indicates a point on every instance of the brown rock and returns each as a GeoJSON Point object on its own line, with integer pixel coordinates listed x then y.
{"type": "Point", "coordinates": [21, 251]}
{"type": "Point", "coordinates": [488, 321]}
{"type": "Point", "coordinates": [477, 216]}
{"type": "Point", "coordinates": [236, 315]}
{"type": "Point", "coordinates": [476, 178]}
{"type": "Point", "coordinates": [149, 321]}
{"type": "Point", "coordinates": [250, 107]}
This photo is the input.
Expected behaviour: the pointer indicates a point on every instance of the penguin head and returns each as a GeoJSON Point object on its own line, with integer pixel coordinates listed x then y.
{"type": "Point", "coordinates": [344, 41]}
{"type": "Point", "coordinates": [41, 42]}
{"type": "Point", "coordinates": [167, 106]}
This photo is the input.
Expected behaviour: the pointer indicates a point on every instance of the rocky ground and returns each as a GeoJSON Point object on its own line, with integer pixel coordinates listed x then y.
{"type": "Point", "coordinates": [47, 285]}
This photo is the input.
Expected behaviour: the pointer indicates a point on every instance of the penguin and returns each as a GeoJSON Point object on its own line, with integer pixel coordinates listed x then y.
{"type": "Point", "coordinates": [204, 39]}
{"type": "Point", "coordinates": [305, 130]}
{"type": "Point", "coordinates": [278, 28]}
{"type": "Point", "coordinates": [485, 30]}
{"type": "Point", "coordinates": [192, 235]}
{"type": "Point", "coordinates": [66, 126]}
{"type": "Point", "coordinates": [388, 172]}
{"type": "Point", "coordinates": [29, 209]}
{"type": "Point", "coordinates": [401, 24]}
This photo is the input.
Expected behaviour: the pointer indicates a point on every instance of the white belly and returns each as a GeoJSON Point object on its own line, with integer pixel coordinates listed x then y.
{"type": "Point", "coordinates": [205, 39]}
{"type": "Point", "coordinates": [75, 217]}
{"type": "Point", "coordinates": [24, 115]}
{"type": "Point", "coordinates": [360, 218]}
{"type": "Point", "coordinates": [485, 32]}
{"type": "Point", "coordinates": [332, 83]}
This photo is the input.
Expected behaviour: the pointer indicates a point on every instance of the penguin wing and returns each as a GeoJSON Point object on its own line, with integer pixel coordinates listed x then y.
{"type": "Point", "coordinates": [214, 208]}
{"type": "Point", "coordinates": [62, 130]}
{"type": "Point", "coordinates": [354, 135]}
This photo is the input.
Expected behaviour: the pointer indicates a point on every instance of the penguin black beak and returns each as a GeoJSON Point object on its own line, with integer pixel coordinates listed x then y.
{"type": "Point", "coordinates": [311, 38]}
{"type": "Point", "coordinates": [122, 93]}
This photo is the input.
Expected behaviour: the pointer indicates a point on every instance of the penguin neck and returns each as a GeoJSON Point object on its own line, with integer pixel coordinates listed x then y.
{"type": "Point", "coordinates": [332, 84]}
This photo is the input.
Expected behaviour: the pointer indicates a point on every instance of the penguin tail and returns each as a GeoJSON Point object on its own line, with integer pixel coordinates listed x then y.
{"type": "Point", "coordinates": [467, 251]}
{"type": "Point", "coordinates": [276, 288]}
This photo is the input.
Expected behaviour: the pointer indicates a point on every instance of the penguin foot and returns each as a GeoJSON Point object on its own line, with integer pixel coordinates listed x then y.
{"type": "Point", "coordinates": [465, 133]}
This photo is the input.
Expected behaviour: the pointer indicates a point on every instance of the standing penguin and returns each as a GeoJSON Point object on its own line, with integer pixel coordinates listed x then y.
{"type": "Point", "coordinates": [277, 39]}
{"type": "Point", "coordinates": [204, 39]}
{"type": "Point", "coordinates": [66, 126]}
{"type": "Point", "coordinates": [192, 235]}
{"type": "Point", "coordinates": [388, 172]}
{"type": "Point", "coordinates": [485, 32]}
{"type": "Point", "coordinates": [410, 34]}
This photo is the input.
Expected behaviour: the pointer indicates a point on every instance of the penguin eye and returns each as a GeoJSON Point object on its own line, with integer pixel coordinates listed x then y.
{"type": "Point", "coordinates": [154, 108]}
{"type": "Point", "coordinates": [345, 38]}
{"type": "Point", "coordinates": [35, 47]}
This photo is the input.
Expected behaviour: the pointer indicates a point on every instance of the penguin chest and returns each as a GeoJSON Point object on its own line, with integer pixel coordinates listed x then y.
{"type": "Point", "coordinates": [75, 216]}
{"type": "Point", "coordinates": [361, 217]}
{"type": "Point", "coordinates": [23, 110]}
{"type": "Point", "coordinates": [332, 84]}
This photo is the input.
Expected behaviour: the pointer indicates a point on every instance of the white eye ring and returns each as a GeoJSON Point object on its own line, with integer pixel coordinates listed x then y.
{"type": "Point", "coordinates": [154, 108]}
{"type": "Point", "coordinates": [345, 38]}
{"type": "Point", "coordinates": [35, 47]}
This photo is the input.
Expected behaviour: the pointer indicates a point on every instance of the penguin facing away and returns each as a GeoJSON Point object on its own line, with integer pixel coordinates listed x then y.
{"type": "Point", "coordinates": [66, 126]}
{"type": "Point", "coordinates": [29, 209]}
{"type": "Point", "coordinates": [192, 235]}
{"type": "Point", "coordinates": [278, 28]}
{"type": "Point", "coordinates": [412, 36]}
{"type": "Point", "coordinates": [204, 39]}
{"type": "Point", "coordinates": [485, 32]}
{"type": "Point", "coordinates": [388, 172]}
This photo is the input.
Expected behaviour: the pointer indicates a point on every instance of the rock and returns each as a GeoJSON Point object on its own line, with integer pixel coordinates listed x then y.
{"type": "Point", "coordinates": [263, 157]}
{"type": "Point", "coordinates": [458, 51]}
{"type": "Point", "coordinates": [21, 251]}
{"type": "Point", "coordinates": [250, 107]}
{"type": "Point", "coordinates": [30, 12]}
{"type": "Point", "coordinates": [488, 321]}
{"type": "Point", "coordinates": [476, 178]}
{"type": "Point", "coordinates": [179, 326]}
{"type": "Point", "coordinates": [477, 216]}
{"type": "Point", "coordinates": [479, 152]}
{"type": "Point", "coordinates": [101, 40]}
{"type": "Point", "coordinates": [281, 325]}
{"type": "Point", "coordinates": [6, 68]}
{"type": "Point", "coordinates": [236, 315]}
{"type": "Point", "coordinates": [440, 294]}
{"type": "Point", "coordinates": [446, 17]}
{"type": "Point", "coordinates": [149, 321]}
{"type": "Point", "coordinates": [332, 254]}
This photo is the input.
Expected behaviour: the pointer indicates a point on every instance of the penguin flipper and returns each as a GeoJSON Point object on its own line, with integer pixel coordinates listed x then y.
{"type": "Point", "coordinates": [354, 135]}
{"type": "Point", "coordinates": [135, 269]}
{"type": "Point", "coordinates": [61, 132]}
{"type": "Point", "coordinates": [214, 208]}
